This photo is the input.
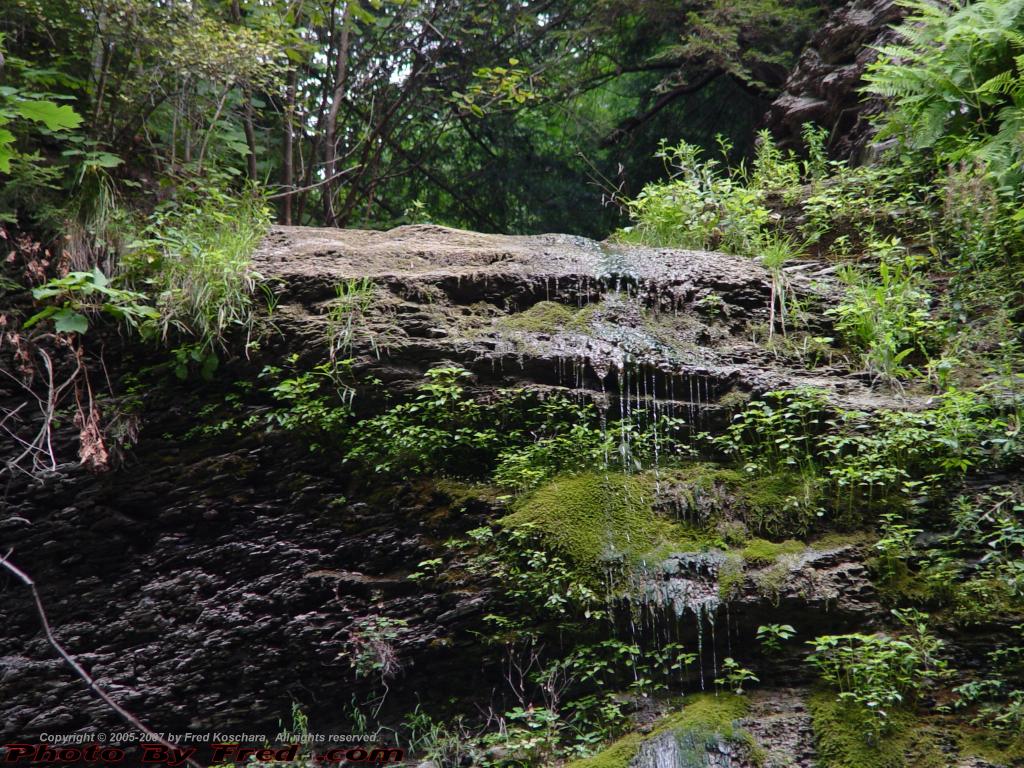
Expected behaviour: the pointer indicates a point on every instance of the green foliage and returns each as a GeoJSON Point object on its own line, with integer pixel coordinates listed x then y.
{"type": "Point", "coordinates": [954, 83]}
{"type": "Point", "coordinates": [734, 677]}
{"type": "Point", "coordinates": [32, 114]}
{"type": "Point", "coordinates": [194, 258]}
{"type": "Point", "coordinates": [772, 636]}
{"type": "Point", "coordinates": [877, 674]}
{"type": "Point", "coordinates": [895, 545]}
{"type": "Point", "coordinates": [314, 404]}
{"type": "Point", "coordinates": [577, 446]}
{"type": "Point", "coordinates": [698, 207]}
{"type": "Point", "coordinates": [347, 315]}
{"type": "Point", "coordinates": [372, 650]}
{"type": "Point", "coordinates": [887, 458]}
{"type": "Point", "coordinates": [535, 577]}
{"type": "Point", "coordinates": [997, 701]}
{"type": "Point", "coordinates": [71, 299]}
{"type": "Point", "coordinates": [840, 742]}
{"type": "Point", "coordinates": [442, 429]}
{"type": "Point", "coordinates": [887, 318]}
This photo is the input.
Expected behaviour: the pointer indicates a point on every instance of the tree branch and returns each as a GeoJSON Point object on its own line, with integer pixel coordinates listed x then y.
{"type": "Point", "coordinates": [125, 715]}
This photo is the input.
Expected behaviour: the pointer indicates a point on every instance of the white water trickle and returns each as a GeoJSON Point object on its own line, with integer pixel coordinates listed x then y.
{"type": "Point", "coordinates": [623, 444]}
{"type": "Point", "coordinates": [728, 631]}
{"type": "Point", "coordinates": [690, 405]}
{"type": "Point", "coordinates": [714, 650]}
{"type": "Point", "coordinates": [700, 646]}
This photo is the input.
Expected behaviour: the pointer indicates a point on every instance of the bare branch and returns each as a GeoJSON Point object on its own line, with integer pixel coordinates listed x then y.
{"type": "Point", "coordinates": [127, 716]}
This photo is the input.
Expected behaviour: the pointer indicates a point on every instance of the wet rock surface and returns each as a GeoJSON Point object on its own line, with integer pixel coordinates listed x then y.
{"type": "Point", "coordinates": [552, 310]}
{"type": "Point", "coordinates": [210, 582]}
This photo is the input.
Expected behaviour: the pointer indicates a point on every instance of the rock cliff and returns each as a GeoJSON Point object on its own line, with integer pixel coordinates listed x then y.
{"type": "Point", "coordinates": [218, 576]}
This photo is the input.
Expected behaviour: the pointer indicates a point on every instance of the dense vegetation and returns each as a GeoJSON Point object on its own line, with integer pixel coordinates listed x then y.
{"type": "Point", "coordinates": [145, 149]}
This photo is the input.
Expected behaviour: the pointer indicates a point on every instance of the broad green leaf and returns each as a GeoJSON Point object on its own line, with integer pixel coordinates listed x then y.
{"type": "Point", "coordinates": [102, 160]}
{"type": "Point", "coordinates": [68, 321]}
{"type": "Point", "coordinates": [55, 117]}
{"type": "Point", "coordinates": [7, 152]}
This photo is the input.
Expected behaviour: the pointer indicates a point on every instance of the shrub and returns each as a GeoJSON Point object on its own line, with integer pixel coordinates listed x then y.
{"type": "Point", "coordinates": [887, 318]}
{"type": "Point", "coordinates": [194, 259]}
{"type": "Point", "coordinates": [698, 207]}
{"type": "Point", "coordinates": [878, 673]}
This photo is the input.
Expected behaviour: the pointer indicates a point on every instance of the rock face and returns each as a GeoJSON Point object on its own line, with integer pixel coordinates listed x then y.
{"type": "Point", "coordinates": [824, 86]}
{"type": "Point", "coordinates": [551, 310]}
{"type": "Point", "coordinates": [214, 580]}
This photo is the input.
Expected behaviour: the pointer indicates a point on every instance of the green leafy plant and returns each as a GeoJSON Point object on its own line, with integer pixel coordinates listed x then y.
{"type": "Point", "coordinates": [73, 298]}
{"type": "Point", "coordinates": [698, 207]}
{"type": "Point", "coordinates": [734, 676]}
{"type": "Point", "coordinates": [887, 318]}
{"type": "Point", "coordinates": [195, 259]}
{"type": "Point", "coordinates": [372, 647]}
{"type": "Point", "coordinates": [953, 81]}
{"type": "Point", "coordinates": [23, 110]}
{"type": "Point", "coordinates": [772, 636]}
{"type": "Point", "coordinates": [878, 673]}
{"type": "Point", "coordinates": [895, 545]}
{"type": "Point", "coordinates": [347, 314]}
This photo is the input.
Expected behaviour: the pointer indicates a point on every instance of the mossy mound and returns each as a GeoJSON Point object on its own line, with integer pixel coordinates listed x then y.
{"type": "Point", "coordinates": [992, 747]}
{"type": "Point", "coordinates": [619, 755]}
{"type": "Point", "coordinates": [704, 721]}
{"type": "Point", "coordinates": [543, 317]}
{"type": "Point", "coordinates": [596, 519]}
{"type": "Point", "coordinates": [842, 743]}
{"type": "Point", "coordinates": [782, 504]}
{"type": "Point", "coordinates": [763, 552]}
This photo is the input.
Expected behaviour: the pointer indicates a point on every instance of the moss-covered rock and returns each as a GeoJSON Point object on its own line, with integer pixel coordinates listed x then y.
{"type": "Point", "coordinates": [619, 755]}
{"type": "Point", "coordinates": [779, 505]}
{"type": "Point", "coordinates": [765, 552]}
{"type": "Point", "coordinates": [842, 742]}
{"type": "Point", "coordinates": [542, 317]}
{"type": "Point", "coordinates": [705, 722]}
{"type": "Point", "coordinates": [596, 519]}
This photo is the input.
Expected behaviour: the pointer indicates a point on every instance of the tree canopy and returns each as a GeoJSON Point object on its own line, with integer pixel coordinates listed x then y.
{"type": "Point", "coordinates": [513, 115]}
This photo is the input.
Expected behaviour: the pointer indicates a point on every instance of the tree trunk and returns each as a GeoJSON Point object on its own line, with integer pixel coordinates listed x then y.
{"type": "Point", "coordinates": [331, 133]}
{"type": "Point", "coordinates": [247, 116]}
{"type": "Point", "coordinates": [288, 151]}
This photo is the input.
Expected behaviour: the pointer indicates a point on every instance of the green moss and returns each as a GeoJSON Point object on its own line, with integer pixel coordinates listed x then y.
{"type": "Point", "coordinates": [703, 721]}
{"type": "Point", "coordinates": [841, 742]}
{"type": "Point", "coordinates": [596, 518]}
{"type": "Point", "coordinates": [730, 575]}
{"type": "Point", "coordinates": [619, 755]}
{"type": "Point", "coordinates": [780, 504]}
{"type": "Point", "coordinates": [995, 748]}
{"type": "Point", "coordinates": [836, 540]}
{"type": "Point", "coordinates": [708, 712]}
{"type": "Point", "coordinates": [761, 551]}
{"type": "Point", "coordinates": [984, 599]}
{"type": "Point", "coordinates": [542, 317]}
{"type": "Point", "coordinates": [734, 400]}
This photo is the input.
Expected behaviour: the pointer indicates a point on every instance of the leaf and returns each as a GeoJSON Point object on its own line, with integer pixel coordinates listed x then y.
{"type": "Point", "coordinates": [6, 153]}
{"type": "Point", "coordinates": [102, 160]}
{"type": "Point", "coordinates": [39, 317]}
{"type": "Point", "coordinates": [55, 117]}
{"type": "Point", "coordinates": [210, 364]}
{"type": "Point", "coordinates": [68, 321]}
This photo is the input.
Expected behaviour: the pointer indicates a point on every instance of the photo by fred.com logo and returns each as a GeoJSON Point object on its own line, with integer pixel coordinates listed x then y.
{"type": "Point", "coordinates": [147, 753]}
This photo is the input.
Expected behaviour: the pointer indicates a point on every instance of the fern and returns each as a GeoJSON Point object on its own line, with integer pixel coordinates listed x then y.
{"type": "Point", "coordinates": [955, 84]}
